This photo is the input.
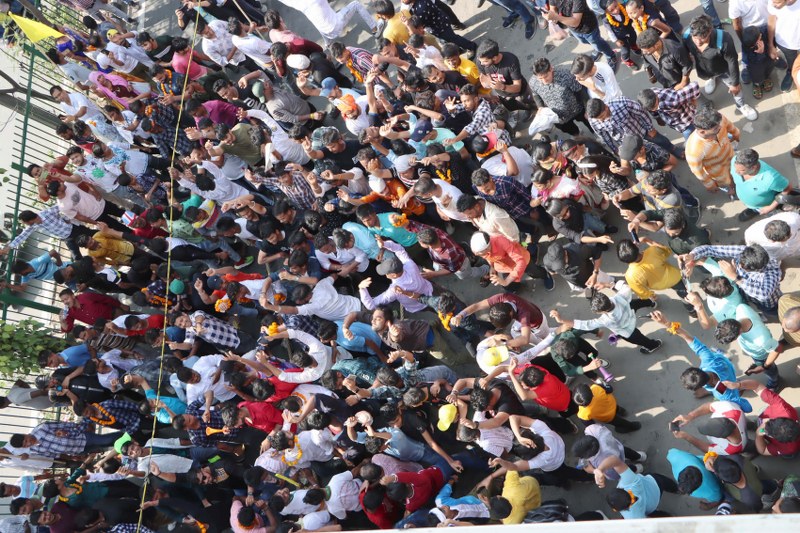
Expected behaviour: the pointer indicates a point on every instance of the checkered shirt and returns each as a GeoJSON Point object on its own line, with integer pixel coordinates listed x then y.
{"type": "Point", "coordinates": [677, 108]}
{"type": "Point", "coordinates": [763, 286]}
{"type": "Point", "coordinates": [52, 223]}
{"type": "Point", "coordinates": [627, 116]}
{"type": "Point", "coordinates": [214, 331]}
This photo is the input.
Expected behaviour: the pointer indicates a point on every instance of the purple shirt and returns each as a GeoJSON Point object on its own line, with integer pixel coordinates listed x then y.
{"type": "Point", "coordinates": [221, 112]}
{"type": "Point", "coordinates": [67, 522]}
{"type": "Point", "coordinates": [410, 280]}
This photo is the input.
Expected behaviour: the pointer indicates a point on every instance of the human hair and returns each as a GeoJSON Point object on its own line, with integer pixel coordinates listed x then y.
{"type": "Point", "coordinates": [27, 216]}
{"type": "Point", "coordinates": [49, 490]}
{"type": "Point", "coordinates": [619, 499]}
{"type": "Point", "coordinates": [185, 374]}
{"type": "Point", "coordinates": [707, 118]}
{"type": "Point", "coordinates": [582, 395]}
{"type": "Point", "coordinates": [388, 376]}
{"type": "Point", "coordinates": [17, 503]}
{"type": "Point", "coordinates": [601, 303]}
{"type": "Point", "coordinates": [465, 202]}
{"type": "Point", "coordinates": [364, 210]}
{"type": "Point", "coordinates": [424, 185]}
{"type": "Point", "coordinates": [689, 480]}
{"type": "Point", "coordinates": [398, 491]}
{"type": "Point", "coordinates": [627, 251]}
{"type": "Point", "coordinates": [467, 434]}
{"type": "Point", "coordinates": [501, 314]}
{"type": "Point", "coordinates": [659, 180]}
{"type": "Point", "coordinates": [301, 359]}
{"type": "Point", "coordinates": [329, 378]}
{"type": "Point", "coordinates": [487, 49]}
{"type": "Point", "coordinates": [693, 378]}
{"type": "Point", "coordinates": [783, 430]}
{"type": "Point", "coordinates": [374, 445]}
{"type": "Point", "coordinates": [595, 107]}
{"type": "Point", "coordinates": [790, 504]}
{"type": "Point", "coordinates": [717, 286]}
{"type": "Point", "coordinates": [582, 65]}
{"type": "Point", "coordinates": [413, 396]}
{"type": "Point", "coordinates": [280, 441]}
{"type": "Point", "coordinates": [374, 496]}
{"type": "Point", "coordinates": [554, 206]}
{"type": "Point", "coordinates": [648, 98]}
{"type": "Point", "coordinates": [532, 377]}
{"type": "Point", "coordinates": [468, 90]}
{"type": "Point", "coordinates": [542, 66]}
{"type": "Point", "coordinates": [314, 496]}
{"type": "Point", "coordinates": [499, 508]}
{"type": "Point", "coordinates": [17, 440]}
{"type": "Point", "coordinates": [727, 470]}
{"type": "Point", "coordinates": [480, 177]}
{"type": "Point", "coordinates": [754, 258]}
{"type": "Point", "coordinates": [777, 231]}
{"type": "Point", "coordinates": [728, 331]}
{"type": "Point", "coordinates": [385, 8]}
{"type": "Point", "coordinates": [327, 330]}
{"type": "Point", "coordinates": [748, 158]}
{"type": "Point", "coordinates": [337, 49]}
{"type": "Point", "coordinates": [416, 40]}
{"type": "Point", "coordinates": [700, 26]}
{"type": "Point", "coordinates": [448, 50]}
{"type": "Point", "coordinates": [479, 399]}
{"type": "Point", "coordinates": [298, 258]}
{"type": "Point", "coordinates": [542, 176]}
{"type": "Point", "coordinates": [371, 472]}
{"type": "Point", "coordinates": [262, 389]}
{"type": "Point", "coordinates": [447, 302]}
{"type": "Point", "coordinates": [526, 453]}
{"type": "Point", "coordinates": [427, 236]}
{"type": "Point", "coordinates": [330, 136]}
{"type": "Point", "coordinates": [674, 219]}
{"type": "Point", "coordinates": [585, 446]}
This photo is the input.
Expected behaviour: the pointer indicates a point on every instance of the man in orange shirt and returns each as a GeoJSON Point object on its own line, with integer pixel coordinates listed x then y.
{"type": "Point", "coordinates": [507, 257]}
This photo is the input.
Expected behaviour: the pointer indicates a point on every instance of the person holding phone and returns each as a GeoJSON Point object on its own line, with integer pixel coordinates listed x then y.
{"type": "Point", "coordinates": [725, 430]}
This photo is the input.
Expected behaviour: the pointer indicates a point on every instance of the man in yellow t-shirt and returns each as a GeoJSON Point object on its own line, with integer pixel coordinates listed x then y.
{"type": "Point", "coordinates": [455, 61]}
{"type": "Point", "coordinates": [650, 271]}
{"type": "Point", "coordinates": [394, 28]}
{"type": "Point", "coordinates": [520, 495]}
{"type": "Point", "coordinates": [110, 247]}
{"type": "Point", "coordinates": [597, 405]}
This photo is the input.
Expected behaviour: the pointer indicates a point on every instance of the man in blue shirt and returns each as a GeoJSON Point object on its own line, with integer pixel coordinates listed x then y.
{"type": "Point", "coordinates": [42, 268]}
{"type": "Point", "coordinates": [636, 495]}
{"type": "Point", "coordinates": [694, 479]}
{"type": "Point", "coordinates": [74, 356]}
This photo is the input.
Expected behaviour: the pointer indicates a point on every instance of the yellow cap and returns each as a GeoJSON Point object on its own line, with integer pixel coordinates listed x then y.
{"type": "Point", "coordinates": [110, 33]}
{"type": "Point", "coordinates": [447, 415]}
{"type": "Point", "coordinates": [495, 355]}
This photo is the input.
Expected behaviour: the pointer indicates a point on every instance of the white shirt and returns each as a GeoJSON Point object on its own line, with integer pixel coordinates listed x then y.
{"type": "Point", "coordinates": [328, 304]}
{"type": "Point", "coordinates": [76, 102]}
{"type": "Point", "coordinates": [609, 446]}
{"type": "Point", "coordinates": [752, 12]}
{"type": "Point", "coordinates": [290, 151]}
{"type": "Point", "coordinates": [361, 122]}
{"type": "Point", "coordinates": [224, 191]}
{"type": "Point", "coordinates": [318, 12]}
{"type": "Point", "coordinates": [22, 396]}
{"type": "Point", "coordinates": [168, 463]}
{"type": "Point", "coordinates": [134, 50]}
{"type": "Point", "coordinates": [776, 250]}
{"type": "Point", "coordinates": [76, 72]}
{"type": "Point", "coordinates": [429, 55]}
{"type": "Point", "coordinates": [495, 441]}
{"type": "Point", "coordinates": [342, 256]}
{"type": "Point", "coordinates": [221, 45]}
{"type": "Point", "coordinates": [114, 357]}
{"type": "Point", "coordinates": [128, 61]}
{"type": "Point", "coordinates": [496, 167]}
{"type": "Point", "coordinates": [621, 320]}
{"type": "Point", "coordinates": [522, 358]}
{"type": "Point", "coordinates": [255, 48]}
{"type": "Point", "coordinates": [344, 495]}
{"type": "Point", "coordinates": [787, 25]}
{"type": "Point", "coordinates": [206, 367]}
{"type": "Point", "coordinates": [448, 199]}
{"type": "Point", "coordinates": [77, 202]}
{"type": "Point", "coordinates": [97, 172]}
{"type": "Point", "coordinates": [552, 458]}
{"type": "Point", "coordinates": [605, 80]}
{"type": "Point", "coordinates": [319, 352]}
{"type": "Point", "coordinates": [136, 161]}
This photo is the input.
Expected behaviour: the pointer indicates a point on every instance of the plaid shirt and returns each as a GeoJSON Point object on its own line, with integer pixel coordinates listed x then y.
{"type": "Point", "coordinates": [763, 286]}
{"type": "Point", "coordinates": [300, 193]}
{"type": "Point", "coordinates": [482, 117]}
{"type": "Point", "coordinates": [307, 324]}
{"type": "Point", "coordinates": [198, 436]}
{"type": "Point", "coordinates": [627, 116]}
{"type": "Point", "coordinates": [214, 331]}
{"type": "Point", "coordinates": [126, 413]}
{"type": "Point", "coordinates": [50, 445]}
{"type": "Point", "coordinates": [52, 223]}
{"type": "Point", "coordinates": [677, 108]}
{"type": "Point", "coordinates": [450, 256]}
{"type": "Point", "coordinates": [165, 117]}
{"type": "Point", "coordinates": [130, 528]}
{"type": "Point", "coordinates": [510, 195]}
{"type": "Point", "coordinates": [411, 376]}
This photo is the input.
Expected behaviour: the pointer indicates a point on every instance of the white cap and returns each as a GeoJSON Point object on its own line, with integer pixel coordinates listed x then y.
{"type": "Point", "coordinates": [298, 61]}
{"type": "Point", "coordinates": [377, 184]}
{"type": "Point", "coordinates": [479, 242]}
{"type": "Point", "coordinates": [403, 163]}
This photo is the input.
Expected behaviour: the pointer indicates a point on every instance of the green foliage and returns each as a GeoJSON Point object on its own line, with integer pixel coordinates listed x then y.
{"type": "Point", "coordinates": [21, 343]}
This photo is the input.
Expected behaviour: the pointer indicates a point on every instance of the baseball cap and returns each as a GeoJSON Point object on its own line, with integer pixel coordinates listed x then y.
{"type": "Point", "coordinates": [717, 427]}
{"type": "Point", "coordinates": [554, 258]}
{"type": "Point", "coordinates": [479, 242]}
{"type": "Point", "coordinates": [403, 163]}
{"type": "Point", "coordinates": [447, 415]}
{"type": "Point", "coordinates": [391, 265]}
{"type": "Point", "coordinates": [377, 184]}
{"type": "Point", "coordinates": [327, 86]}
{"type": "Point", "coordinates": [214, 283]}
{"type": "Point", "coordinates": [422, 128]}
{"type": "Point", "coordinates": [110, 33]}
{"type": "Point", "coordinates": [346, 104]}
{"type": "Point", "coordinates": [120, 442]}
{"type": "Point", "coordinates": [298, 61]}
{"type": "Point", "coordinates": [177, 286]}
{"type": "Point", "coordinates": [495, 355]}
{"type": "Point", "coordinates": [631, 144]}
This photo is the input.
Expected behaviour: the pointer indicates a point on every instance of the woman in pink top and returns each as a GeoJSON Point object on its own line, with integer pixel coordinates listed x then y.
{"type": "Point", "coordinates": [278, 33]}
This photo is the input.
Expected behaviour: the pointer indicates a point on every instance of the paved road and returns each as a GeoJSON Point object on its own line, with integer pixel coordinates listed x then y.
{"type": "Point", "coordinates": [648, 386]}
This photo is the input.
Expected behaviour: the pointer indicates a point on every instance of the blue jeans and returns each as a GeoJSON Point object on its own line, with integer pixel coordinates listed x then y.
{"type": "Point", "coordinates": [711, 11]}
{"type": "Point", "coordinates": [770, 371]}
{"type": "Point", "coordinates": [433, 373]}
{"type": "Point", "coordinates": [95, 442]}
{"type": "Point", "coordinates": [688, 131]}
{"type": "Point", "coordinates": [597, 42]}
{"type": "Point", "coordinates": [594, 224]}
{"type": "Point", "coordinates": [515, 7]}
{"type": "Point", "coordinates": [666, 144]}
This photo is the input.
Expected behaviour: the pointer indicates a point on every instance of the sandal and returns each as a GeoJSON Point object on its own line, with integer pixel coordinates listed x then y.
{"type": "Point", "coordinates": [758, 93]}
{"type": "Point", "coordinates": [767, 86]}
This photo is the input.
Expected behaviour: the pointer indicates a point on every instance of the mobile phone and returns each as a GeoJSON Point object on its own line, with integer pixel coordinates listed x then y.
{"type": "Point", "coordinates": [634, 237]}
{"type": "Point", "coordinates": [720, 387]}
{"type": "Point", "coordinates": [674, 426]}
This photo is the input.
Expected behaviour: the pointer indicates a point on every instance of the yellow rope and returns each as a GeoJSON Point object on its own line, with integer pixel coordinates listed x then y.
{"type": "Point", "coordinates": [169, 261]}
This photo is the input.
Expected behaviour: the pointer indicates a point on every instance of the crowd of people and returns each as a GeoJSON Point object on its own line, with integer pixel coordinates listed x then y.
{"type": "Point", "coordinates": [268, 330]}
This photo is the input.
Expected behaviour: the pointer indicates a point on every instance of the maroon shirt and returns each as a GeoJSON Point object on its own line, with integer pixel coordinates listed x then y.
{"type": "Point", "coordinates": [427, 484]}
{"type": "Point", "coordinates": [527, 314]}
{"type": "Point", "coordinates": [92, 306]}
{"type": "Point", "coordinates": [66, 524]}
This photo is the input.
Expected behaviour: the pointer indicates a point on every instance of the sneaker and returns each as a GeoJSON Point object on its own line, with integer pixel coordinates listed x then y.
{"type": "Point", "coordinates": [748, 112]}
{"type": "Point", "coordinates": [635, 426]}
{"type": "Point", "coordinates": [509, 20]}
{"type": "Point", "coordinates": [724, 509]}
{"type": "Point", "coordinates": [244, 262]}
{"type": "Point", "coordinates": [781, 63]}
{"type": "Point", "coordinates": [646, 351]}
{"type": "Point", "coordinates": [786, 83]}
{"type": "Point", "coordinates": [530, 29]}
{"type": "Point", "coordinates": [747, 214]}
{"type": "Point", "coordinates": [636, 467]}
{"type": "Point", "coordinates": [596, 55]}
{"type": "Point", "coordinates": [542, 23]}
{"type": "Point", "coordinates": [724, 22]}
{"type": "Point", "coordinates": [746, 79]}
{"type": "Point", "coordinates": [710, 86]}
{"type": "Point", "coordinates": [642, 456]}
{"type": "Point", "coordinates": [549, 283]}
{"type": "Point", "coordinates": [631, 64]}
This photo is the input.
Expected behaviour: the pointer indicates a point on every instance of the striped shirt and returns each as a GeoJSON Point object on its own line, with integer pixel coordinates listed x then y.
{"type": "Point", "coordinates": [710, 159]}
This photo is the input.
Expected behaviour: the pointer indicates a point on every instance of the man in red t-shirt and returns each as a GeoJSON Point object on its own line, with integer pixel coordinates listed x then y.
{"type": "Point", "coordinates": [87, 307]}
{"type": "Point", "coordinates": [504, 309]}
{"type": "Point", "coordinates": [532, 382]}
{"type": "Point", "coordinates": [778, 430]}
{"type": "Point", "coordinates": [415, 490]}
{"type": "Point", "coordinates": [380, 510]}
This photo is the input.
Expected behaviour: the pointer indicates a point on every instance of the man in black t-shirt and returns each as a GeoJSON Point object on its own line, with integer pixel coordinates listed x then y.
{"type": "Point", "coordinates": [501, 72]}
{"type": "Point", "coordinates": [581, 22]}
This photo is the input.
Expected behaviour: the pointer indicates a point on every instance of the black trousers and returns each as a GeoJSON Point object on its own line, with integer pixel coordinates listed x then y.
{"type": "Point", "coordinates": [110, 215]}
